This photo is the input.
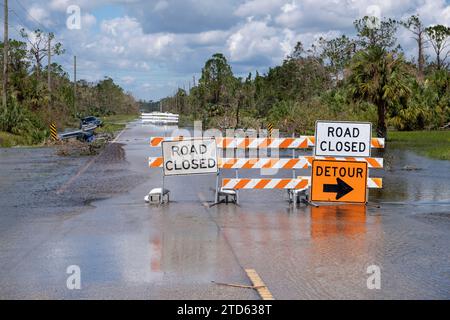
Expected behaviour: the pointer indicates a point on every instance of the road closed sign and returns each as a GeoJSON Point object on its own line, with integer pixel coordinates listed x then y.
{"type": "Point", "coordinates": [343, 139]}
{"type": "Point", "coordinates": [339, 181]}
{"type": "Point", "coordinates": [185, 157]}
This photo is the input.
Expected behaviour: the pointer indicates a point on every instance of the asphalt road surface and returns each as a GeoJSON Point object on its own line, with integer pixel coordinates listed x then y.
{"type": "Point", "coordinates": [90, 212]}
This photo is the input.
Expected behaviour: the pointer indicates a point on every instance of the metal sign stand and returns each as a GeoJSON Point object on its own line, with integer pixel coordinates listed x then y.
{"type": "Point", "coordinates": [226, 193]}
{"type": "Point", "coordinates": [216, 198]}
{"type": "Point", "coordinates": [158, 193]}
{"type": "Point", "coordinates": [298, 196]}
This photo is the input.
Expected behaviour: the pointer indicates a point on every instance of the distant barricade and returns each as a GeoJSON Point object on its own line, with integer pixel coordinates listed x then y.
{"type": "Point", "coordinates": [159, 118]}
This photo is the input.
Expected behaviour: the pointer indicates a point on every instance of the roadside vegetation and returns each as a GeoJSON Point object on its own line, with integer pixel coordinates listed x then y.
{"type": "Point", "coordinates": [114, 124]}
{"type": "Point", "coordinates": [32, 104]}
{"type": "Point", "coordinates": [434, 144]}
{"type": "Point", "coordinates": [366, 78]}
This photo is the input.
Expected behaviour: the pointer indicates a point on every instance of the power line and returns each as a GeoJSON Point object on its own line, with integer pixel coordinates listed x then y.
{"type": "Point", "coordinates": [29, 14]}
{"type": "Point", "coordinates": [15, 13]}
{"type": "Point", "coordinates": [45, 29]}
{"type": "Point", "coordinates": [19, 33]}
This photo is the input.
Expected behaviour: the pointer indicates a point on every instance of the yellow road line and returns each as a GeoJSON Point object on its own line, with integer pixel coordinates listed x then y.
{"type": "Point", "coordinates": [259, 285]}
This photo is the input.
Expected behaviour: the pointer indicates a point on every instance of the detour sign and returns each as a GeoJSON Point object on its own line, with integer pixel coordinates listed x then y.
{"type": "Point", "coordinates": [338, 181]}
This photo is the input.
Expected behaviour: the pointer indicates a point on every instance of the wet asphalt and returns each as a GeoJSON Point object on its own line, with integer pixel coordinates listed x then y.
{"type": "Point", "coordinates": [90, 212]}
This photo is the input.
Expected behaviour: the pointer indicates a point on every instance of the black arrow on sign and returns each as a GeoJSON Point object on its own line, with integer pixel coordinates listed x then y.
{"type": "Point", "coordinates": [341, 188]}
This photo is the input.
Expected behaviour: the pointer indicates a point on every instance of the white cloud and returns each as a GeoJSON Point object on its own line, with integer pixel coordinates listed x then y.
{"type": "Point", "coordinates": [169, 39]}
{"type": "Point", "coordinates": [60, 5]}
{"type": "Point", "coordinates": [258, 7]}
{"type": "Point", "coordinates": [37, 13]}
{"type": "Point", "coordinates": [128, 79]}
{"type": "Point", "coordinates": [161, 6]}
{"type": "Point", "coordinates": [289, 7]}
{"type": "Point", "coordinates": [88, 20]}
{"type": "Point", "coordinates": [255, 40]}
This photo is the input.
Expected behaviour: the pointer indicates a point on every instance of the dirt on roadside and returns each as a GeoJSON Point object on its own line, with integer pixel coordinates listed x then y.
{"type": "Point", "coordinates": [74, 147]}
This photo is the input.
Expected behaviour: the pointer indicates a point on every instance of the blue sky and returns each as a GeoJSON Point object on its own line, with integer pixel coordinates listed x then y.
{"type": "Point", "coordinates": [152, 47]}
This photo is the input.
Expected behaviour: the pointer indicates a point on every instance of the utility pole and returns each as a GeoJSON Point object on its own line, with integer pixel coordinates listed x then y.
{"type": "Point", "coordinates": [5, 55]}
{"type": "Point", "coordinates": [49, 64]}
{"type": "Point", "coordinates": [75, 84]}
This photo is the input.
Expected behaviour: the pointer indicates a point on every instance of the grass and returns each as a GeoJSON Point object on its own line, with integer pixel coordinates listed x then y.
{"type": "Point", "coordinates": [433, 144]}
{"type": "Point", "coordinates": [113, 124]}
{"type": "Point", "coordinates": [11, 140]}
{"type": "Point", "coordinates": [120, 118]}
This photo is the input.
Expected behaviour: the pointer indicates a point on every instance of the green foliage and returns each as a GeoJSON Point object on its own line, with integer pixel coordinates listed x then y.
{"type": "Point", "coordinates": [439, 36]}
{"type": "Point", "coordinates": [32, 106]}
{"type": "Point", "coordinates": [373, 32]}
{"type": "Point", "coordinates": [381, 78]}
{"type": "Point", "coordinates": [435, 144]}
{"type": "Point", "coordinates": [429, 105]}
{"type": "Point", "coordinates": [21, 122]}
{"type": "Point", "coordinates": [337, 54]}
{"type": "Point", "coordinates": [364, 78]}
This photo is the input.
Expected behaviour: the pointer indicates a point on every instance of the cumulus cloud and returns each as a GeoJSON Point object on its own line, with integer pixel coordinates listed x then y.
{"type": "Point", "coordinates": [257, 43]}
{"type": "Point", "coordinates": [39, 14]}
{"type": "Point", "coordinates": [151, 45]}
{"type": "Point", "coordinates": [128, 79]}
{"type": "Point", "coordinates": [184, 16]}
{"type": "Point", "coordinates": [88, 20]}
{"type": "Point", "coordinates": [258, 7]}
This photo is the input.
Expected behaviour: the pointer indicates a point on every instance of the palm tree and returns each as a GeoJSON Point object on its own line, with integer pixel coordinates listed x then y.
{"type": "Point", "coordinates": [381, 78]}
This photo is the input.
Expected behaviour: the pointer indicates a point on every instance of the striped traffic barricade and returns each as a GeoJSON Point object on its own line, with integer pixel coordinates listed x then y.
{"type": "Point", "coordinates": [301, 142]}
{"type": "Point", "coordinates": [302, 162]}
{"type": "Point", "coordinates": [300, 183]}
{"type": "Point", "coordinates": [296, 186]}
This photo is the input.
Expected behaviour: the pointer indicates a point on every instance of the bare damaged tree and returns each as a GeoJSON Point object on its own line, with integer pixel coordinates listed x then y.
{"type": "Point", "coordinates": [414, 25]}
{"type": "Point", "coordinates": [439, 36]}
{"type": "Point", "coordinates": [39, 47]}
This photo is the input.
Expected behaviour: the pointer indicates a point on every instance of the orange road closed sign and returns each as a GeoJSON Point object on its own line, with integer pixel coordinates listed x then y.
{"type": "Point", "coordinates": [338, 181]}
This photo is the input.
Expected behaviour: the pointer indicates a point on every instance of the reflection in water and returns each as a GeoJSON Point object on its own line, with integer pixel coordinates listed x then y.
{"type": "Point", "coordinates": [325, 235]}
{"type": "Point", "coordinates": [183, 254]}
{"type": "Point", "coordinates": [338, 219]}
{"type": "Point", "coordinates": [181, 248]}
{"type": "Point", "coordinates": [156, 252]}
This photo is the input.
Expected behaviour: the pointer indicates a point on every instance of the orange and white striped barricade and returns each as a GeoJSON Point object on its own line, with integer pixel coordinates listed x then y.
{"type": "Point", "coordinates": [231, 186]}
{"type": "Point", "coordinates": [300, 183]}
{"type": "Point", "coordinates": [293, 163]}
{"type": "Point", "coordinates": [301, 142]}
{"type": "Point", "coordinates": [374, 163]}
{"type": "Point", "coordinates": [372, 183]}
{"type": "Point", "coordinates": [302, 162]}
{"type": "Point", "coordinates": [248, 142]}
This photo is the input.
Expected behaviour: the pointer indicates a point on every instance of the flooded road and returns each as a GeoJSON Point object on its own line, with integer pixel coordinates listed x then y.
{"type": "Point", "coordinates": [62, 211]}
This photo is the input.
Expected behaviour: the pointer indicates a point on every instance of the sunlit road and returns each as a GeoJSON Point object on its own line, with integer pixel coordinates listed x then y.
{"type": "Point", "coordinates": [127, 249]}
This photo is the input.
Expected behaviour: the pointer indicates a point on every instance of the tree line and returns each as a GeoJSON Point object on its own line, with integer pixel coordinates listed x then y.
{"type": "Point", "coordinates": [33, 102]}
{"type": "Point", "coordinates": [365, 77]}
